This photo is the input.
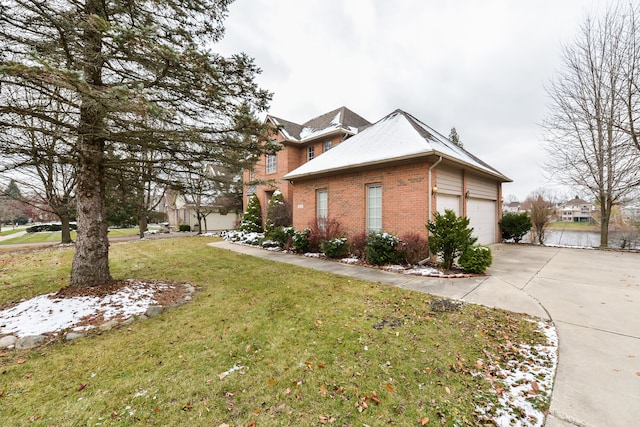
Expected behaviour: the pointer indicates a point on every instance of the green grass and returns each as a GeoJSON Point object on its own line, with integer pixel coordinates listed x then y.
{"type": "Point", "coordinates": [304, 338]}
{"type": "Point", "coordinates": [7, 232]}
{"type": "Point", "coordinates": [577, 226]}
{"type": "Point", "coordinates": [54, 236]}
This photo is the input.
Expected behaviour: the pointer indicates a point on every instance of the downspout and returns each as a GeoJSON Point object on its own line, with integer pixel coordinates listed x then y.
{"type": "Point", "coordinates": [430, 203]}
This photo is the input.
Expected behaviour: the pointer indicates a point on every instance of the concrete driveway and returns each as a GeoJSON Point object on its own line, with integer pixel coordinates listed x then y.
{"type": "Point", "coordinates": [592, 296]}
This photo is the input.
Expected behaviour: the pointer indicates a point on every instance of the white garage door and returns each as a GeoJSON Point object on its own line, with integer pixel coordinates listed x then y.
{"type": "Point", "coordinates": [448, 201]}
{"type": "Point", "coordinates": [482, 217]}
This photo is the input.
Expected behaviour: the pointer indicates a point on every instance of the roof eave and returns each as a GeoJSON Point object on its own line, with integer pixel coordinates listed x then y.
{"type": "Point", "coordinates": [410, 157]}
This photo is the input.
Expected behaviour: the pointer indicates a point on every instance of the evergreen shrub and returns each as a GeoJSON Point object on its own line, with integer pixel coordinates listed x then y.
{"type": "Point", "coordinates": [476, 259]}
{"type": "Point", "coordinates": [450, 236]}
{"type": "Point", "coordinates": [252, 218]}
{"type": "Point", "coordinates": [184, 227]}
{"type": "Point", "coordinates": [300, 241]}
{"type": "Point", "coordinates": [335, 248]}
{"type": "Point", "coordinates": [515, 225]}
{"type": "Point", "coordinates": [382, 248]}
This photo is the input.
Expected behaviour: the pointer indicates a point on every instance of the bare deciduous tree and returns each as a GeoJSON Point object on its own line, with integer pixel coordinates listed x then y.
{"type": "Point", "coordinates": [588, 147]}
{"type": "Point", "coordinates": [539, 206]}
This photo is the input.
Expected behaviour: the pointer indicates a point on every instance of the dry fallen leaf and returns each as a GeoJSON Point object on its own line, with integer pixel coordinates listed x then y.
{"type": "Point", "coordinates": [447, 390]}
{"type": "Point", "coordinates": [390, 388]}
{"type": "Point", "coordinates": [21, 361]}
{"type": "Point", "coordinates": [424, 421]}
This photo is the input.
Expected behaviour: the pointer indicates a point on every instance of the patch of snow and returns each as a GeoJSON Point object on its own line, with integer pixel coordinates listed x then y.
{"type": "Point", "coordinates": [350, 260]}
{"type": "Point", "coordinates": [313, 255]}
{"type": "Point", "coordinates": [394, 267]}
{"type": "Point", "coordinates": [424, 271]}
{"type": "Point", "coordinates": [45, 313]}
{"type": "Point", "coordinates": [527, 380]}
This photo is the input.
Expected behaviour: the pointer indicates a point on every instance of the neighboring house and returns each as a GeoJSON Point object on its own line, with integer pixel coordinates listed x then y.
{"type": "Point", "coordinates": [212, 204]}
{"type": "Point", "coordinates": [630, 213]}
{"type": "Point", "coordinates": [390, 176]}
{"type": "Point", "coordinates": [299, 144]}
{"type": "Point", "coordinates": [512, 207]}
{"type": "Point", "coordinates": [576, 210]}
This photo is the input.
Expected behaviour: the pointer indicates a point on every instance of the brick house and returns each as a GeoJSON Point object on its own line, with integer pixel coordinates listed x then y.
{"type": "Point", "coordinates": [299, 144]}
{"type": "Point", "coordinates": [389, 177]}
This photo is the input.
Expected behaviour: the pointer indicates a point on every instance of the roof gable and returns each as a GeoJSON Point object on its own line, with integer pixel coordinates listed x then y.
{"type": "Point", "coordinates": [341, 119]}
{"type": "Point", "coordinates": [397, 136]}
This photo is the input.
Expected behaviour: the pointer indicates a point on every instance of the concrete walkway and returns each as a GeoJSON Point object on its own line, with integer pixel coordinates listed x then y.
{"type": "Point", "coordinates": [593, 297]}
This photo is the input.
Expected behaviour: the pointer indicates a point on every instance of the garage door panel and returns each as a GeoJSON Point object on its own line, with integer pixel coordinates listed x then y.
{"type": "Point", "coordinates": [482, 217]}
{"type": "Point", "coordinates": [448, 201]}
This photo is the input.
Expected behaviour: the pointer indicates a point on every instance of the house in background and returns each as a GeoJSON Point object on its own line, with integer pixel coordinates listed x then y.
{"type": "Point", "coordinates": [299, 143]}
{"type": "Point", "coordinates": [576, 210]}
{"type": "Point", "coordinates": [391, 176]}
{"type": "Point", "coordinates": [512, 207]}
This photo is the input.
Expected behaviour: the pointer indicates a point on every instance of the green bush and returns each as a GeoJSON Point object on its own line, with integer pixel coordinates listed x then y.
{"type": "Point", "coordinates": [300, 240]}
{"type": "Point", "coordinates": [514, 226]}
{"type": "Point", "coordinates": [184, 227]}
{"type": "Point", "coordinates": [282, 236]}
{"type": "Point", "coordinates": [335, 248]}
{"type": "Point", "coordinates": [278, 212]}
{"type": "Point", "coordinates": [48, 227]}
{"type": "Point", "coordinates": [450, 236]}
{"type": "Point", "coordinates": [252, 218]}
{"type": "Point", "coordinates": [476, 259]}
{"type": "Point", "coordinates": [382, 248]}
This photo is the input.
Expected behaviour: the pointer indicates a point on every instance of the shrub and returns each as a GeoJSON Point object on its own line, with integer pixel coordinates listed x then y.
{"type": "Point", "coordinates": [48, 227]}
{"type": "Point", "coordinates": [450, 236]}
{"type": "Point", "coordinates": [254, 239]}
{"type": "Point", "coordinates": [323, 229]}
{"type": "Point", "coordinates": [335, 248]}
{"type": "Point", "coordinates": [358, 244]}
{"type": "Point", "coordinates": [282, 236]}
{"type": "Point", "coordinates": [414, 247]}
{"type": "Point", "coordinates": [300, 240]}
{"type": "Point", "coordinates": [184, 227]}
{"type": "Point", "coordinates": [278, 212]}
{"type": "Point", "coordinates": [382, 248]}
{"type": "Point", "coordinates": [252, 218]}
{"type": "Point", "coordinates": [476, 259]}
{"type": "Point", "coordinates": [515, 226]}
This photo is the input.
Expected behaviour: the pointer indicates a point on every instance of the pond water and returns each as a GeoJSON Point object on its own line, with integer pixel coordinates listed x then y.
{"type": "Point", "coordinates": [617, 239]}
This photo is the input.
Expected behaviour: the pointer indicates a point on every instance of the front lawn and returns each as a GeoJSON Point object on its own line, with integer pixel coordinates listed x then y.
{"type": "Point", "coordinates": [261, 343]}
{"type": "Point", "coordinates": [55, 236]}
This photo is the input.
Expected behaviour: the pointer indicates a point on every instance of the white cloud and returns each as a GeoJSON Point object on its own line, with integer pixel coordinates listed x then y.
{"type": "Point", "coordinates": [478, 66]}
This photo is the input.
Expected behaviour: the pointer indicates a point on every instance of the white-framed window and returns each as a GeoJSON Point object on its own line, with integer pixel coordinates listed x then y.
{"type": "Point", "coordinates": [374, 207]}
{"type": "Point", "coordinates": [272, 163]}
{"type": "Point", "coordinates": [322, 203]}
{"type": "Point", "coordinates": [326, 146]}
{"type": "Point", "coordinates": [310, 153]}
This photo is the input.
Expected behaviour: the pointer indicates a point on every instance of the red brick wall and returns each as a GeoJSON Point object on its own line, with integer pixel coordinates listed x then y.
{"type": "Point", "coordinates": [404, 199]}
{"type": "Point", "coordinates": [289, 158]}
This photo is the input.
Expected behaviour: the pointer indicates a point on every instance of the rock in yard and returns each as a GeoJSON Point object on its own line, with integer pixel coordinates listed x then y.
{"type": "Point", "coordinates": [108, 325]}
{"type": "Point", "coordinates": [8, 341]}
{"type": "Point", "coordinates": [154, 311]}
{"type": "Point", "coordinates": [73, 335]}
{"type": "Point", "coordinates": [31, 341]}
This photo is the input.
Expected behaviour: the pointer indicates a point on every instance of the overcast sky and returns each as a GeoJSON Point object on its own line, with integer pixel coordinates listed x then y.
{"type": "Point", "coordinates": [480, 66]}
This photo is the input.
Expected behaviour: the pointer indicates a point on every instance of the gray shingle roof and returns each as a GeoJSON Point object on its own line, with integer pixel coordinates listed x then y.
{"type": "Point", "coordinates": [340, 119]}
{"type": "Point", "coordinates": [397, 136]}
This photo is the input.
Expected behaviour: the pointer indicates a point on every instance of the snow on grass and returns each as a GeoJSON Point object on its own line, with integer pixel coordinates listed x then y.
{"type": "Point", "coordinates": [526, 383]}
{"type": "Point", "coordinates": [47, 313]}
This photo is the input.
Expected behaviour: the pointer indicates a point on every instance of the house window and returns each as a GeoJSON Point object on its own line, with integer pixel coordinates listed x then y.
{"type": "Point", "coordinates": [374, 207]}
{"type": "Point", "coordinates": [322, 205]}
{"type": "Point", "coordinates": [310, 153]}
{"type": "Point", "coordinates": [327, 146]}
{"type": "Point", "coordinates": [272, 163]}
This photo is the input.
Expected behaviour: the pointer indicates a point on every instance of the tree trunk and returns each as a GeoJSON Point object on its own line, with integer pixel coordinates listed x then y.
{"type": "Point", "coordinates": [66, 230]}
{"type": "Point", "coordinates": [90, 265]}
{"type": "Point", "coordinates": [142, 224]}
{"type": "Point", "coordinates": [605, 216]}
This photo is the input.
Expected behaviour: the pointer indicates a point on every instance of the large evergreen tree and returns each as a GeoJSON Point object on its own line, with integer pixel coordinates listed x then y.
{"type": "Point", "coordinates": [135, 76]}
